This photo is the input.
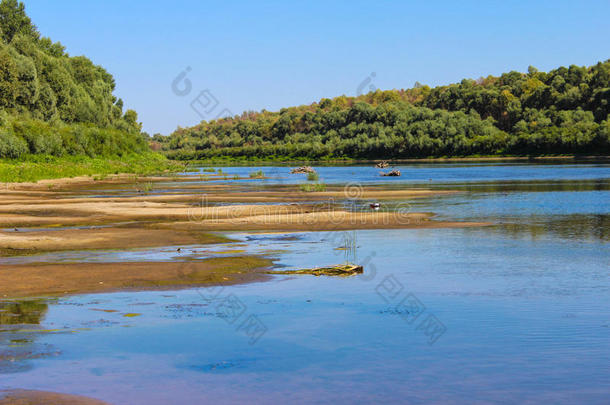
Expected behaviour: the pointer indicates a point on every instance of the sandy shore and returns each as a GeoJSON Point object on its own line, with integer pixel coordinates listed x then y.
{"type": "Point", "coordinates": [135, 221]}
{"type": "Point", "coordinates": [337, 220]}
{"type": "Point", "coordinates": [27, 397]}
{"type": "Point", "coordinates": [28, 280]}
{"type": "Point", "coordinates": [101, 238]}
{"type": "Point", "coordinates": [75, 215]}
{"type": "Point", "coordinates": [19, 208]}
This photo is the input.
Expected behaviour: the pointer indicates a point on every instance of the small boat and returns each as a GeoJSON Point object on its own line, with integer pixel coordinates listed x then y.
{"type": "Point", "coordinates": [375, 206]}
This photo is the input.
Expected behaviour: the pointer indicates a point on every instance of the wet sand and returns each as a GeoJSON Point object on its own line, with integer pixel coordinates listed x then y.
{"type": "Point", "coordinates": [67, 210]}
{"type": "Point", "coordinates": [221, 194]}
{"type": "Point", "coordinates": [27, 397]}
{"type": "Point", "coordinates": [101, 238]}
{"type": "Point", "coordinates": [28, 280]}
{"type": "Point", "coordinates": [336, 220]}
{"type": "Point", "coordinates": [19, 208]}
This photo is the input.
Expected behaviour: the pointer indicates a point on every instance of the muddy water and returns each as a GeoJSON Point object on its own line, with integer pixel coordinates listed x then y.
{"type": "Point", "coordinates": [517, 312]}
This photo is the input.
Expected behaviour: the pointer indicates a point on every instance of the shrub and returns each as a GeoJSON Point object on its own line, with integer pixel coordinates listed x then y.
{"type": "Point", "coordinates": [313, 176]}
{"type": "Point", "coordinates": [12, 146]}
{"type": "Point", "coordinates": [308, 187]}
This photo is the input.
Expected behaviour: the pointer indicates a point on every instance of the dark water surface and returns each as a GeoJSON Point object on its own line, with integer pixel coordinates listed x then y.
{"type": "Point", "coordinates": [517, 312]}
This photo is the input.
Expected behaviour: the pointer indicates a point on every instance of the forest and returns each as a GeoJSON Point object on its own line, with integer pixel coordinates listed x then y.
{"type": "Point", "coordinates": [563, 111]}
{"type": "Point", "coordinates": [54, 104]}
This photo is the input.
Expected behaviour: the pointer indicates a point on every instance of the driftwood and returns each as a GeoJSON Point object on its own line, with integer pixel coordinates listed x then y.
{"type": "Point", "coordinates": [392, 173]}
{"type": "Point", "coordinates": [303, 169]}
{"type": "Point", "coordinates": [341, 270]}
{"type": "Point", "coordinates": [382, 165]}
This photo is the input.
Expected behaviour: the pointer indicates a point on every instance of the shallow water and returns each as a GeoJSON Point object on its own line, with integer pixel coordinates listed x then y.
{"type": "Point", "coordinates": [425, 173]}
{"type": "Point", "coordinates": [517, 312]}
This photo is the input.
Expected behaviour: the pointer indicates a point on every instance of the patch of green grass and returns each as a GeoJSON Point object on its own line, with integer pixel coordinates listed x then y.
{"type": "Point", "coordinates": [312, 187]}
{"type": "Point", "coordinates": [208, 170]}
{"type": "Point", "coordinates": [313, 176]}
{"type": "Point", "coordinates": [32, 168]}
{"type": "Point", "coordinates": [257, 174]}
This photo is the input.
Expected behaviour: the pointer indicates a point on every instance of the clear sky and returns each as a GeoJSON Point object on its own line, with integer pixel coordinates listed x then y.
{"type": "Point", "coordinates": [252, 55]}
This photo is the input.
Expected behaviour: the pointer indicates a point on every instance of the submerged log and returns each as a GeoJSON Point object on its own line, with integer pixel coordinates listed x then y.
{"type": "Point", "coordinates": [382, 165]}
{"type": "Point", "coordinates": [341, 270]}
{"type": "Point", "coordinates": [392, 173]}
{"type": "Point", "coordinates": [303, 169]}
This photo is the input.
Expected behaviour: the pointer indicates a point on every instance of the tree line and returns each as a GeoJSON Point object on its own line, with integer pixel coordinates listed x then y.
{"type": "Point", "coordinates": [53, 103]}
{"type": "Point", "coordinates": [564, 111]}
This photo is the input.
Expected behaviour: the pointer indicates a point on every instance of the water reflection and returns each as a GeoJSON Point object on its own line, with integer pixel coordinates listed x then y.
{"type": "Point", "coordinates": [18, 334]}
{"type": "Point", "coordinates": [530, 186]}
{"type": "Point", "coordinates": [574, 227]}
{"type": "Point", "coordinates": [22, 312]}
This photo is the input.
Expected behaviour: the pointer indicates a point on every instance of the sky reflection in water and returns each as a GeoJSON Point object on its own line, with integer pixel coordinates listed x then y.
{"type": "Point", "coordinates": [525, 305]}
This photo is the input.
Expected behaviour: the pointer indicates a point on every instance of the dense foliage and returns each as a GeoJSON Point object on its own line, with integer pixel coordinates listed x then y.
{"type": "Point", "coordinates": [564, 111]}
{"type": "Point", "coordinates": [51, 103]}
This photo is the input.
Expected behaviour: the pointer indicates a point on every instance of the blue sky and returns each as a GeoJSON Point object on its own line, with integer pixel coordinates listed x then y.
{"type": "Point", "coordinates": [270, 54]}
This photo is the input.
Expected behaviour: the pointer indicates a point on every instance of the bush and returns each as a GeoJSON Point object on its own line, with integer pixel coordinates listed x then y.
{"type": "Point", "coordinates": [41, 137]}
{"type": "Point", "coordinates": [11, 146]}
{"type": "Point", "coordinates": [308, 188]}
{"type": "Point", "coordinates": [23, 135]}
{"type": "Point", "coordinates": [313, 176]}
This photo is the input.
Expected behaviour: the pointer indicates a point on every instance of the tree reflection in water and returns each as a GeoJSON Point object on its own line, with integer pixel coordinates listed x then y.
{"type": "Point", "coordinates": [18, 332]}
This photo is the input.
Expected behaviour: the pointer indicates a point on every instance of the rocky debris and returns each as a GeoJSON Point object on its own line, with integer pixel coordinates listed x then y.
{"type": "Point", "coordinates": [340, 270]}
{"type": "Point", "coordinates": [394, 172]}
{"type": "Point", "coordinates": [303, 170]}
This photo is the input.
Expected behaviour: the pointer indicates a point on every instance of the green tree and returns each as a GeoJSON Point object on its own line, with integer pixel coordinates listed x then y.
{"type": "Point", "coordinates": [8, 79]}
{"type": "Point", "coordinates": [14, 20]}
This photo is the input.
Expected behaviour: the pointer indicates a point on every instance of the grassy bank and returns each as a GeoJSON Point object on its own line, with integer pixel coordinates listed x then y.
{"type": "Point", "coordinates": [32, 168]}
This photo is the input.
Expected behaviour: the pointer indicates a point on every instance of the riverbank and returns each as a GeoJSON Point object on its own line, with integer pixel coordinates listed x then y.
{"type": "Point", "coordinates": [81, 170]}
{"type": "Point", "coordinates": [197, 207]}
{"type": "Point", "coordinates": [249, 160]}
{"type": "Point", "coordinates": [69, 215]}
{"type": "Point", "coordinates": [28, 397]}
{"type": "Point", "coordinates": [35, 167]}
{"type": "Point", "coordinates": [36, 280]}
